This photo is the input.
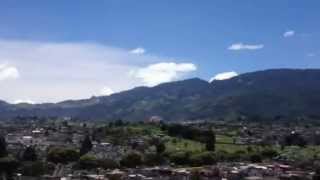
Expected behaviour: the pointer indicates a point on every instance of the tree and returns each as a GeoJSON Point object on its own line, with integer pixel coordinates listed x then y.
{"type": "Point", "coordinates": [61, 155]}
{"type": "Point", "coordinates": [118, 123]}
{"type": "Point", "coordinates": [295, 139]}
{"type": "Point", "coordinates": [160, 147]}
{"type": "Point", "coordinates": [153, 159]}
{"type": "Point", "coordinates": [86, 146]}
{"type": "Point", "coordinates": [8, 165]}
{"type": "Point", "coordinates": [210, 141]}
{"type": "Point", "coordinates": [29, 154]}
{"type": "Point", "coordinates": [46, 133]}
{"type": "Point", "coordinates": [91, 162]}
{"type": "Point", "coordinates": [3, 147]}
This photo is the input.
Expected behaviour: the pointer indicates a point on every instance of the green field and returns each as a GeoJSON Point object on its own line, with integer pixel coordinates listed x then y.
{"type": "Point", "coordinates": [224, 139]}
{"type": "Point", "coordinates": [223, 143]}
{"type": "Point", "coordinates": [178, 144]}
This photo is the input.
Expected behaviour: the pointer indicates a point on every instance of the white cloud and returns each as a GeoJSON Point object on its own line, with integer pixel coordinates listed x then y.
{"type": "Point", "coordinates": [224, 76]}
{"type": "Point", "coordinates": [54, 72]}
{"type": "Point", "coordinates": [155, 74]}
{"type": "Point", "coordinates": [19, 101]}
{"type": "Point", "coordinates": [288, 33]}
{"type": "Point", "coordinates": [8, 72]}
{"type": "Point", "coordinates": [106, 91]}
{"type": "Point", "coordinates": [241, 46]}
{"type": "Point", "coordinates": [138, 50]}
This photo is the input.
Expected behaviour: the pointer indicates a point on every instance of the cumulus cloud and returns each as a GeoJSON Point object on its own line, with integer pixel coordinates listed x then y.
{"type": "Point", "coordinates": [138, 51]}
{"type": "Point", "coordinates": [19, 101]}
{"type": "Point", "coordinates": [54, 72]}
{"type": "Point", "coordinates": [242, 46]}
{"type": "Point", "coordinates": [8, 72]}
{"type": "Point", "coordinates": [288, 33]}
{"type": "Point", "coordinates": [155, 74]}
{"type": "Point", "coordinates": [224, 76]}
{"type": "Point", "coordinates": [106, 91]}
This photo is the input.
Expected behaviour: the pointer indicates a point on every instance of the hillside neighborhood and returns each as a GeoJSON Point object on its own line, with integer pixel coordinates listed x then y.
{"type": "Point", "coordinates": [68, 149]}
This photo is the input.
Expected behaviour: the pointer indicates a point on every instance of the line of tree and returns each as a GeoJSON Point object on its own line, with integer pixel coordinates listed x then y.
{"type": "Point", "coordinates": [206, 136]}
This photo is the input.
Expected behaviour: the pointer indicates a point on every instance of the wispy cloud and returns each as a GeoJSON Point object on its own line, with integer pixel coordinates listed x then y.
{"type": "Point", "coordinates": [138, 51]}
{"type": "Point", "coordinates": [51, 72]}
{"type": "Point", "coordinates": [311, 54]}
{"type": "Point", "coordinates": [8, 72]}
{"type": "Point", "coordinates": [224, 76]}
{"type": "Point", "coordinates": [155, 74]}
{"type": "Point", "coordinates": [289, 33]}
{"type": "Point", "coordinates": [242, 46]}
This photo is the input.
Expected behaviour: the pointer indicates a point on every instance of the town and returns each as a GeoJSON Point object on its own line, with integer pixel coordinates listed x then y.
{"type": "Point", "coordinates": [159, 90]}
{"type": "Point", "coordinates": [65, 148]}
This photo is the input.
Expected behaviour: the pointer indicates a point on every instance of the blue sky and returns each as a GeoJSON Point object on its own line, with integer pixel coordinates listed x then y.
{"type": "Point", "coordinates": [191, 38]}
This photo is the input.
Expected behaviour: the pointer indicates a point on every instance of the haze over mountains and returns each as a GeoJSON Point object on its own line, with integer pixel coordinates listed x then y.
{"type": "Point", "coordinates": [270, 94]}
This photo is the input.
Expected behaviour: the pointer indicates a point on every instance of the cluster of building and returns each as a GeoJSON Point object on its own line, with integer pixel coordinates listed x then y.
{"type": "Point", "coordinates": [43, 137]}
{"type": "Point", "coordinates": [19, 137]}
{"type": "Point", "coordinates": [224, 171]}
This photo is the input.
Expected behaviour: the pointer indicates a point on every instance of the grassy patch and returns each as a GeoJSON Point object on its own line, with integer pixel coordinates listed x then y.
{"type": "Point", "coordinates": [301, 153]}
{"type": "Point", "coordinates": [224, 139]}
{"type": "Point", "coordinates": [177, 144]}
{"type": "Point", "coordinates": [231, 148]}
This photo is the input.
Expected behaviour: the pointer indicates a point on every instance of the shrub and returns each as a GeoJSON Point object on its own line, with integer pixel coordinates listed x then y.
{"type": "Point", "coordinates": [180, 158]}
{"type": "Point", "coordinates": [86, 145]}
{"type": "Point", "coordinates": [29, 154]}
{"type": "Point", "coordinates": [108, 164]}
{"type": "Point", "coordinates": [91, 162]}
{"type": "Point", "coordinates": [239, 155]}
{"type": "Point", "coordinates": [153, 159]}
{"type": "Point", "coordinates": [88, 162]}
{"type": "Point", "coordinates": [8, 164]}
{"type": "Point", "coordinates": [62, 155]}
{"type": "Point", "coordinates": [255, 158]}
{"type": "Point", "coordinates": [36, 168]}
{"type": "Point", "coordinates": [174, 141]}
{"type": "Point", "coordinates": [3, 147]}
{"type": "Point", "coordinates": [131, 160]}
{"type": "Point", "coordinates": [203, 158]}
{"type": "Point", "coordinates": [222, 155]}
{"type": "Point", "coordinates": [269, 153]}
{"type": "Point", "coordinates": [234, 156]}
{"type": "Point", "coordinates": [160, 147]}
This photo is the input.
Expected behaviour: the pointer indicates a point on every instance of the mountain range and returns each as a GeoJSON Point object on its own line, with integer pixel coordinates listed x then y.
{"type": "Point", "coordinates": [271, 94]}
